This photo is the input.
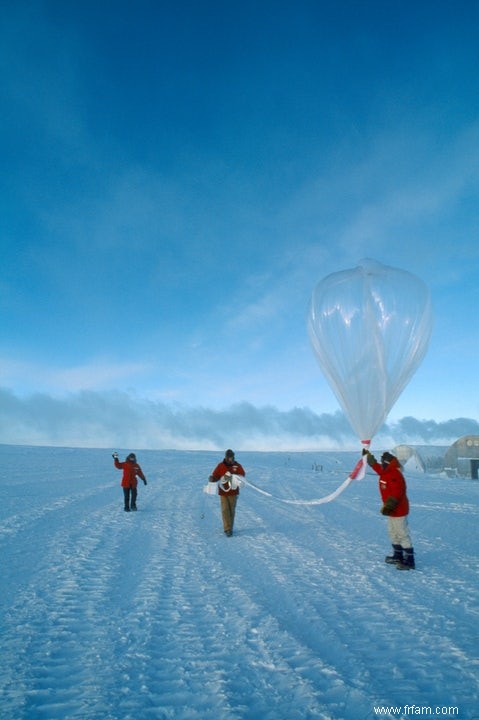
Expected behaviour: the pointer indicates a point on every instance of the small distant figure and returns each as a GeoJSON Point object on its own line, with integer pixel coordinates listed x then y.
{"type": "Point", "coordinates": [129, 482]}
{"type": "Point", "coordinates": [392, 487]}
{"type": "Point", "coordinates": [227, 488]}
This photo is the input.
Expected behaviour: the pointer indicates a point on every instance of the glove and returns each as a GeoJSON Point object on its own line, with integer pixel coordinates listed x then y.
{"type": "Point", "coordinates": [365, 451]}
{"type": "Point", "coordinates": [389, 506]}
{"type": "Point", "coordinates": [144, 481]}
{"type": "Point", "coordinates": [115, 456]}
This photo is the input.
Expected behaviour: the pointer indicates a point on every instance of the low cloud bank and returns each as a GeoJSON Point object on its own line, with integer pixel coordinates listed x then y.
{"type": "Point", "coordinates": [120, 420]}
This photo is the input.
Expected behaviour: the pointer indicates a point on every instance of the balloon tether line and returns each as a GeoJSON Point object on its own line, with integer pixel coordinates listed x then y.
{"type": "Point", "coordinates": [357, 474]}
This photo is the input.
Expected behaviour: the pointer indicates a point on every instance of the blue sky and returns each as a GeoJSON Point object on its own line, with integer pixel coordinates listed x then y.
{"type": "Point", "coordinates": [178, 176]}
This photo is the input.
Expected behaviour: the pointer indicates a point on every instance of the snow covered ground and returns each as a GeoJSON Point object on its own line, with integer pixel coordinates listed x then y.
{"type": "Point", "coordinates": [108, 615]}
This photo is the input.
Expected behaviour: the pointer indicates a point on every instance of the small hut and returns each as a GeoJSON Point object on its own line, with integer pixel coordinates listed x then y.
{"type": "Point", "coordinates": [462, 458]}
{"type": "Point", "coordinates": [409, 456]}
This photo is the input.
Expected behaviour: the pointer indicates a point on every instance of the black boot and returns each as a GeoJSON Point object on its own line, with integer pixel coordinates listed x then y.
{"type": "Point", "coordinates": [408, 561]}
{"type": "Point", "coordinates": [397, 558]}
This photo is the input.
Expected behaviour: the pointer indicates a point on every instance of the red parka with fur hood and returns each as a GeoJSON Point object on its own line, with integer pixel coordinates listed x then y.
{"type": "Point", "coordinates": [392, 485]}
{"type": "Point", "coordinates": [131, 471]}
{"type": "Point", "coordinates": [221, 469]}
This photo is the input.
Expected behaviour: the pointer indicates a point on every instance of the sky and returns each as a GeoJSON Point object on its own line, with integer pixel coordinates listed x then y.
{"type": "Point", "coordinates": [177, 177]}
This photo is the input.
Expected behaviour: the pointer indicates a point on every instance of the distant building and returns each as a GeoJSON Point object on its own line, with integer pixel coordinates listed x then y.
{"type": "Point", "coordinates": [409, 456]}
{"type": "Point", "coordinates": [421, 458]}
{"type": "Point", "coordinates": [462, 458]}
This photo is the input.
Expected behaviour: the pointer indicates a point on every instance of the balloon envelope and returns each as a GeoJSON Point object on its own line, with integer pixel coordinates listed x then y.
{"type": "Point", "coordinates": [370, 328]}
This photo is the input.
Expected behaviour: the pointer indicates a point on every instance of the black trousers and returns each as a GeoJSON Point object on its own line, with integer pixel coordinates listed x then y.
{"type": "Point", "coordinates": [130, 497]}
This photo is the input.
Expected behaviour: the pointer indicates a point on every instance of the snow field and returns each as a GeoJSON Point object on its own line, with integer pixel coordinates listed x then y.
{"type": "Point", "coordinates": [109, 615]}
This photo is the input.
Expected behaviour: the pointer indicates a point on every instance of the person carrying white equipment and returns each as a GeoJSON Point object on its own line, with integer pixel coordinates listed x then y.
{"type": "Point", "coordinates": [228, 485]}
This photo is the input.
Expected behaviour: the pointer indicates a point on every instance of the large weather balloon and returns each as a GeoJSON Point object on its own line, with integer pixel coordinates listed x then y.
{"type": "Point", "coordinates": [370, 328]}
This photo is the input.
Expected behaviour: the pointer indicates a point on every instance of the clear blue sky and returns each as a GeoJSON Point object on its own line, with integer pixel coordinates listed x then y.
{"type": "Point", "coordinates": [177, 176]}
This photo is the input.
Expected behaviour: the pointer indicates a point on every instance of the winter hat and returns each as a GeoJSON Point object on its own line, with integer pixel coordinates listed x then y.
{"type": "Point", "coordinates": [229, 454]}
{"type": "Point", "coordinates": [131, 457]}
{"type": "Point", "coordinates": [387, 457]}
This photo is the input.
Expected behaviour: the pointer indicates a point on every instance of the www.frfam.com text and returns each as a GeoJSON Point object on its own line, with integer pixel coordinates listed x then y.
{"type": "Point", "coordinates": [426, 710]}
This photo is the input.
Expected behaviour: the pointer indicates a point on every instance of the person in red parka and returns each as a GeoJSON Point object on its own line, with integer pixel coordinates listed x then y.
{"type": "Point", "coordinates": [129, 481]}
{"type": "Point", "coordinates": [392, 487]}
{"type": "Point", "coordinates": [227, 488]}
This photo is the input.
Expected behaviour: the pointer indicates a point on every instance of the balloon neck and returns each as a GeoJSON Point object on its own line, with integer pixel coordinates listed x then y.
{"type": "Point", "coordinates": [366, 442]}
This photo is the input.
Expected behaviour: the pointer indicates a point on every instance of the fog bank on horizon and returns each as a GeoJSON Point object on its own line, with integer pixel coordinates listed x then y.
{"type": "Point", "coordinates": [116, 419]}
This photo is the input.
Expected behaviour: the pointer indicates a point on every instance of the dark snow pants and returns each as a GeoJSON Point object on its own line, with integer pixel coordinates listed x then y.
{"type": "Point", "coordinates": [130, 497]}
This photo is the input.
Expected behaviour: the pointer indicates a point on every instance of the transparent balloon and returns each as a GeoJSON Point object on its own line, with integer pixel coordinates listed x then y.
{"type": "Point", "coordinates": [370, 328]}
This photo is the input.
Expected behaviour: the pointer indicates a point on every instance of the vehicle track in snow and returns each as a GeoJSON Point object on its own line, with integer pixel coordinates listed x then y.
{"type": "Point", "coordinates": [156, 614]}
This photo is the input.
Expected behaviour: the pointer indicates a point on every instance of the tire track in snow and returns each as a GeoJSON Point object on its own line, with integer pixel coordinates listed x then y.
{"type": "Point", "coordinates": [308, 611]}
{"type": "Point", "coordinates": [195, 626]}
{"type": "Point", "coordinates": [198, 631]}
{"type": "Point", "coordinates": [363, 662]}
{"type": "Point", "coordinates": [297, 668]}
{"type": "Point", "coordinates": [58, 622]}
{"type": "Point", "coordinates": [158, 615]}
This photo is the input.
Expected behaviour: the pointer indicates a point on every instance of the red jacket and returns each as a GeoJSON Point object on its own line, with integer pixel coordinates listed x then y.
{"type": "Point", "coordinates": [393, 485]}
{"type": "Point", "coordinates": [130, 472]}
{"type": "Point", "coordinates": [223, 467]}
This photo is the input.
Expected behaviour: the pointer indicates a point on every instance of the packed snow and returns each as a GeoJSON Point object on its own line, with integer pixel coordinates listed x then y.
{"type": "Point", "coordinates": [108, 615]}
